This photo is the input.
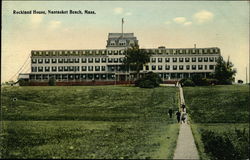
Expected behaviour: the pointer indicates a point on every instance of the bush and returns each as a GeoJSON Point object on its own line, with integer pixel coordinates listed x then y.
{"type": "Point", "coordinates": [151, 80]}
{"type": "Point", "coordinates": [52, 81]}
{"type": "Point", "coordinates": [197, 80]}
{"type": "Point", "coordinates": [227, 145]}
{"type": "Point", "coordinates": [188, 82]}
{"type": "Point", "coordinates": [23, 82]}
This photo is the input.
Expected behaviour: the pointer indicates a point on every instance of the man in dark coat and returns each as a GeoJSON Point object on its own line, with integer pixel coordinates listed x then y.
{"type": "Point", "coordinates": [178, 116]}
{"type": "Point", "coordinates": [170, 112]}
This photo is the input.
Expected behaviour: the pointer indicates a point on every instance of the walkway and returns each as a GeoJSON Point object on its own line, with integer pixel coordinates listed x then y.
{"type": "Point", "coordinates": [186, 148]}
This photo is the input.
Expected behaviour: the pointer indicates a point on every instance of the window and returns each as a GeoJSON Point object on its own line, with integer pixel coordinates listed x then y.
{"type": "Point", "coordinates": [40, 60]}
{"type": "Point", "coordinates": [180, 59]}
{"type": "Point", "coordinates": [65, 68]}
{"type": "Point", "coordinates": [159, 67]}
{"type": "Point", "coordinates": [211, 59]}
{"type": "Point", "coordinates": [77, 60]}
{"type": "Point", "coordinates": [116, 60]}
{"type": "Point", "coordinates": [66, 60]}
{"type": "Point", "coordinates": [110, 60]}
{"type": "Point", "coordinates": [97, 60]}
{"type": "Point", "coordinates": [103, 68]}
{"type": "Point", "coordinates": [47, 69]}
{"type": "Point", "coordinates": [167, 59]}
{"type": "Point", "coordinates": [174, 59]}
{"type": "Point", "coordinates": [153, 60]}
{"type": "Point", "coordinates": [211, 67]}
{"type": "Point", "coordinates": [103, 60]}
{"type": "Point", "coordinates": [34, 61]}
{"type": "Point", "coordinates": [84, 68]}
{"type": "Point", "coordinates": [60, 60]}
{"type": "Point", "coordinates": [200, 59]}
{"type": "Point", "coordinates": [187, 59]}
{"type": "Point", "coordinates": [40, 69]}
{"type": "Point", "coordinates": [205, 59]}
{"type": "Point", "coordinates": [180, 67]}
{"type": "Point", "coordinates": [97, 68]}
{"type": "Point", "coordinates": [53, 60]}
{"type": "Point", "coordinates": [193, 59]}
{"type": "Point", "coordinates": [200, 51]}
{"type": "Point", "coordinates": [193, 67]}
{"type": "Point", "coordinates": [205, 67]}
{"type": "Point", "coordinates": [60, 68]}
{"type": "Point", "coordinates": [200, 67]}
{"type": "Point", "coordinates": [84, 60]}
{"type": "Point", "coordinates": [116, 53]}
{"type": "Point", "coordinates": [153, 67]}
{"type": "Point", "coordinates": [90, 68]}
{"type": "Point", "coordinates": [174, 67]}
{"type": "Point", "coordinates": [71, 60]}
{"type": "Point", "coordinates": [71, 68]}
{"type": "Point", "coordinates": [121, 60]}
{"type": "Point", "coordinates": [159, 60]}
{"type": "Point", "coordinates": [109, 52]}
{"type": "Point", "coordinates": [187, 67]}
{"type": "Point", "coordinates": [90, 60]}
{"type": "Point", "coordinates": [167, 67]}
{"type": "Point", "coordinates": [147, 68]}
{"type": "Point", "coordinates": [77, 68]}
{"type": "Point", "coordinates": [53, 69]}
{"type": "Point", "coordinates": [34, 69]}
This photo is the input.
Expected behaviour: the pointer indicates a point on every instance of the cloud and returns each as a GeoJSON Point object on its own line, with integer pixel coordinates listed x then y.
{"type": "Point", "coordinates": [128, 14]}
{"type": "Point", "coordinates": [167, 22]}
{"type": "Point", "coordinates": [36, 19]}
{"type": "Point", "coordinates": [203, 16]}
{"type": "Point", "coordinates": [187, 23]}
{"type": "Point", "coordinates": [179, 20]}
{"type": "Point", "coordinates": [54, 24]}
{"type": "Point", "coordinates": [118, 10]}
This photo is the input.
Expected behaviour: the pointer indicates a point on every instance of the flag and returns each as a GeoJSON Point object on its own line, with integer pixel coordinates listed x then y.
{"type": "Point", "coordinates": [122, 20]}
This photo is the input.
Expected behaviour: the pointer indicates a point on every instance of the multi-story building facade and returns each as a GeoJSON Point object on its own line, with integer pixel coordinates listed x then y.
{"type": "Point", "coordinates": [104, 66]}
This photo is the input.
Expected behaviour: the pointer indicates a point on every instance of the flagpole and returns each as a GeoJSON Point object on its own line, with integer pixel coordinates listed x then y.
{"type": "Point", "coordinates": [122, 26]}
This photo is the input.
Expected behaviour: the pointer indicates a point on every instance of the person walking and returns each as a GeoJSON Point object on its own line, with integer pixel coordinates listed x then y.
{"type": "Point", "coordinates": [170, 112]}
{"type": "Point", "coordinates": [178, 116]}
{"type": "Point", "coordinates": [183, 117]}
{"type": "Point", "coordinates": [183, 108]}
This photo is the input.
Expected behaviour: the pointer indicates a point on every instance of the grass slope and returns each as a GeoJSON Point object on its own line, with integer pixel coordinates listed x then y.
{"type": "Point", "coordinates": [88, 122]}
{"type": "Point", "coordinates": [217, 104]}
{"type": "Point", "coordinates": [220, 109]}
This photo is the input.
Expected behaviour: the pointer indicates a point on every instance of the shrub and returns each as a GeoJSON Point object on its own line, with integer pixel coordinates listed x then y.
{"type": "Point", "coordinates": [52, 81]}
{"type": "Point", "coordinates": [151, 80]}
{"type": "Point", "coordinates": [188, 82]}
{"type": "Point", "coordinates": [23, 82]}
{"type": "Point", "coordinates": [227, 145]}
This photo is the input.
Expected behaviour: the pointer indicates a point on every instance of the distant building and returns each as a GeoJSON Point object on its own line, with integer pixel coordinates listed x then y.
{"type": "Point", "coordinates": [104, 66]}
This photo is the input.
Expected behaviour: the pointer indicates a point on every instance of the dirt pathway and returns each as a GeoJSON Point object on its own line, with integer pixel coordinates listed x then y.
{"type": "Point", "coordinates": [186, 148]}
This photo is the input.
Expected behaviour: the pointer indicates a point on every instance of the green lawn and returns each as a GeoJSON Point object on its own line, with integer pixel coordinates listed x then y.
{"type": "Point", "coordinates": [222, 110]}
{"type": "Point", "coordinates": [217, 104]}
{"type": "Point", "coordinates": [88, 122]}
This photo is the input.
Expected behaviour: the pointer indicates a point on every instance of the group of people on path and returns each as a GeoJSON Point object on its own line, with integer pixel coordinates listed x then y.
{"type": "Point", "coordinates": [180, 115]}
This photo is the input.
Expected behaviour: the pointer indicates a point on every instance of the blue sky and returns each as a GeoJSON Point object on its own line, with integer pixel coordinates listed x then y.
{"type": "Point", "coordinates": [172, 24]}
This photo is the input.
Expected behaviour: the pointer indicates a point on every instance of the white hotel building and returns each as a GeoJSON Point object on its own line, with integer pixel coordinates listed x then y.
{"type": "Point", "coordinates": [104, 66]}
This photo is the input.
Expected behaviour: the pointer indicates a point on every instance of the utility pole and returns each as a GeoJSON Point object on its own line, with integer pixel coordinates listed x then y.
{"type": "Point", "coordinates": [246, 75]}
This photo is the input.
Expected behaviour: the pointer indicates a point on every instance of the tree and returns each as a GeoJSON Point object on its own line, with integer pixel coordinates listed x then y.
{"type": "Point", "coordinates": [135, 58]}
{"type": "Point", "coordinates": [151, 80]}
{"type": "Point", "coordinates": [52, 81]}
{"type": "Point", "coordinates": [224, 71]}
